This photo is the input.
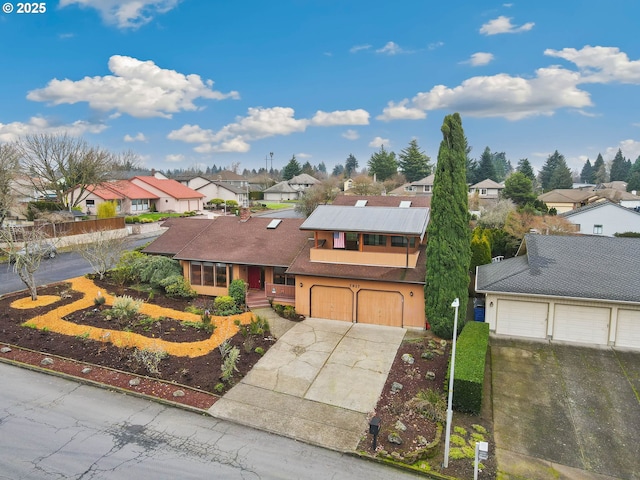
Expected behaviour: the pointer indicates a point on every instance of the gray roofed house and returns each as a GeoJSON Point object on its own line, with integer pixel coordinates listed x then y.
{"type": "Point", "coordinates": [604, 218]}
{"type": "Point", "coordinates": [572, 288]}
{"type": "Point", "coordinates": [400, 221]}
{"type": "Point", "coordinates": [290, 189]}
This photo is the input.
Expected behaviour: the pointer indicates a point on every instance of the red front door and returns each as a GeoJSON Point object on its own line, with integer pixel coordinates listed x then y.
{"type": "Point", "coordinates": [254, 278]}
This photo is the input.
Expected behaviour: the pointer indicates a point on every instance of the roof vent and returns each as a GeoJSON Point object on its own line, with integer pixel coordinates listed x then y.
{"type": "Point", "coordinates": [274, 224]}
{"type": "Point", "coordinates": [361, 203]}
{"type": "Point", "coordinates": [405, 204]}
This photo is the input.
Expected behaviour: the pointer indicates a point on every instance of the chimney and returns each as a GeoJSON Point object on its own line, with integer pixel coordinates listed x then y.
{"type": "Point", "coordinates": [245, 214]}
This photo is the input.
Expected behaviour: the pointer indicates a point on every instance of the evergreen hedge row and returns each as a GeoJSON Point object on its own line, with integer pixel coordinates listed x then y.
{"type": "Point", "coordinates": [471, 352]}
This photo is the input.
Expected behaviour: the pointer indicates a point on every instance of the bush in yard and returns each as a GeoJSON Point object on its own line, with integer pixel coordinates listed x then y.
{"type": "Point", "coordinates": [177, 286]}
{"type": "Point", "coordinates": [468, 380]}
{"type": "Point", "coordinates": [215, 202]}
{"type": "Point", "coordinates": [125, 307]}
{"type": "Point", "coordinates": [149, 358]}
{"type": "Point", "coordinates": [238, 291]}
{"type": "Point", "coordinates": [128, 267]}
{"type": "Point", "coordinates": [107, 210]}
{"type": "Point", "coordinates": [225, 305]}
{"type": "Point", "coordinates": [155, 268]}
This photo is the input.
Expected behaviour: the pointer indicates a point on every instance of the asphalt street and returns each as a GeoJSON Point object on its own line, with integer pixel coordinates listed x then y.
{"type": "Point", "coordinates": [64, 266]}
{"type": "Point", "coordinates": [53, 428]}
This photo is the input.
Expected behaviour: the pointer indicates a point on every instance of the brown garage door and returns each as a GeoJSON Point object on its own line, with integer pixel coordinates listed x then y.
{"type": "Point", "coordinates": [334, 303]}
{"type": "Point", "coordinates": [380, 308]}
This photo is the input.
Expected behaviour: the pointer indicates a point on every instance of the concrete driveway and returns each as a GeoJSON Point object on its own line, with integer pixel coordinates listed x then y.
{"type": "Point", "coordinates": [564, 411]}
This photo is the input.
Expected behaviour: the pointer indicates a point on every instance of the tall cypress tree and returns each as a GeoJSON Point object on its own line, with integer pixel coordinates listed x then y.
{"type": "Point", "coordinates": [448, 236]}
{"type": "Point", "coordinates": [586, 174]}
{"type": "Point", "coordinates": [599, 170]}
{"type": "Point", "coordinates": [524, 166]}
{"type": "Point", "coordinates": [486, 168]}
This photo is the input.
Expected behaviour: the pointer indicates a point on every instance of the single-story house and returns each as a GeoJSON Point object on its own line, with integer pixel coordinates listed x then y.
{"type": "Point", "coordinates": [225, 191]}
{"type": "Point", "coordinates": [383, 201]}
{"type": "Point", "coordinates": [172, 195]}
{"type": "Point", "coordinates": [566, 199]}
{"type": "Point", "coordinates": [487, 189]}
{"type": "Point", "coordinates": [575, 288]}
{"type": "Point", "coordinates": [424, 186]}
{"type": "Point", "coordinates": [290, 189]}
{"type": "Point", "coordinates": [604, 218]}
{"type": "Point", "coordinates": [128, 197]}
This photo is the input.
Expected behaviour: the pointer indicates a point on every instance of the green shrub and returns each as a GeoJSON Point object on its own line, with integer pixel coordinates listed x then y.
{"type": "Point", "coordinates": [155, 268]}
{"type": "Point", "coordinates": [238, 291]}
{"type": "Point", "coordinates": [216, 202]}
{"type": "Point", "coordinates": [127, 268]}
{"type": "Point", "coordinates": [99, 300]}
{"type": "Point", "coordinates": [224, 305]}
{"type": "Point", "coordinates": [125, 307]}
{"type": "Point", "coordinates": [471, 352]}
{"type": "Point", "coordinates": [259, 350]}
{"type": "Point", "coordinates": [131, 220]}
{"type": "Point", "coordinates": [219, 387]}
{"type": "Point", "coordinates": [149, 358]}
{"type": "Point", "coordinates": [178, 287]}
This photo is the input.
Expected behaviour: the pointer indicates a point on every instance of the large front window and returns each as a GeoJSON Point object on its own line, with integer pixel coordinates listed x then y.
{"type": "Point", "coordinates": [210, 274]}
{"type": "Point", "coordinates": [398, 241]}
{"type": "Point", "coordinates": [375, 240]}
{"type": "Point", "coordinates": [139, 205]}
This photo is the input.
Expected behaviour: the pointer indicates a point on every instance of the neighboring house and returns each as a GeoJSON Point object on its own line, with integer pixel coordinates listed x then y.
{"type": "Point", "coordinates": [347, 185]}
{"type": "Point", "coordinates": [230, 178]}
{"type": "Point", "coordinates": [604, 218]}
{"type": "Point", "coordinates": [364, 264]}
{"type": "Point", "coordinates": [225, 191]}
{"type": "Point", "coordinates": [129, 174]}
{"type": "Point", "coordinates": [624, 198]}
{"type": "Point", "coordinates": [353, 263]}
{"type": "Point", "coordinates": [290, 189]}
{"type": "Point", "coordinates": [566, 199]}
{"type": "Point", "coordinates": [172, 195]}
{"type": "Point", "coordinates": [574, 288]}
{"type": "Point", "coordinates": [423, 186]}
{"type": "Point", "coordinates": [192, 181]}
{"type": "Point", "coordinates": [128, 197]}
{"type": "Point", "coordinates": [487, 189]}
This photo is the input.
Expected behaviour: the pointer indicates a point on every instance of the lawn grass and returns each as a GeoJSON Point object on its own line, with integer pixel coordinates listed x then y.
{"type": "Point", "coordinates": [279, 206]}
{"type": "Point", "coordinates": [157, 216]}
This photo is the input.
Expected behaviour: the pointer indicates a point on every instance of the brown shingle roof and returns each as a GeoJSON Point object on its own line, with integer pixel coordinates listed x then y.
{"type": "Point", "coordinates": [302, 265]}
{"type": "Point", "coordinates": [230, 240]}
{"type": "Point", "coordinates": [566, 195]}
{"type": "Point", "coordinates": [382, 200]}
{"type": "Point", "coordinates": [181, 230]}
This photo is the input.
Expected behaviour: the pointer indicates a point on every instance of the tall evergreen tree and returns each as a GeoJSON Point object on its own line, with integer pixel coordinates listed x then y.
{"type": "Point", "coordinates": [485, 166]}
{"type": "Point", "coordinates": [519, 188]}
{"type": "Point", "coordinates": [350, 166]}
{"type": "Point", "coordinates": [322, 167]}
{"type": "Point", "coordinates": [383, 164]}
{"type": "Point", "coordinates": [524, 167]}
{"type": "Point", "coordinates": [599, 170]}
{"type": "Point", "coordinates": [634, 177]}
{"type": "Point", "coordinates": [448, 246]}
{"type": "Point", "coordinates": [307, 168]}
{"type": "Point", "coordinates": [586, 175]}
{"type": "Point", "coordinates": [414, 163]}
{"type": "Point", "coordinates": [554, 161]}
{"type": "Point", "coordinates": [619, 168]}
{"type": "Point", "coordinates": [337, 170]}
{"type": "Point", "coordinates": [501, 166]}
{"type": "Point", "coordinates": [291, 169]}
{"type": "Point", "coordinates": [471, 165]}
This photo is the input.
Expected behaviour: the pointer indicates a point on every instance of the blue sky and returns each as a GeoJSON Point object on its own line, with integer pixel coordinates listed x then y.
{"type": "Point", "coordinates": [203, 82]}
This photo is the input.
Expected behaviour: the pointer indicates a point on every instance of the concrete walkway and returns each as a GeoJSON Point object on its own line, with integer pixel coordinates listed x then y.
{"type": "Point", "coordinates": [317, 384]}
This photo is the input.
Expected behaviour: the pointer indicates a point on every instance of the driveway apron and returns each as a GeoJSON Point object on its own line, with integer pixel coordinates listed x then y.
{"type": "Point", "coordinates": [565, 411]}
{"type": "Point", "coordinates": [317, 384]}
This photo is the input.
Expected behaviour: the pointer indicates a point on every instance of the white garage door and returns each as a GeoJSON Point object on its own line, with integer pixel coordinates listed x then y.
{"type": "Point", "coordinates": [628, 333]}
{"type": "Point", "coordinates": [579, 323]}
{"type": "Point", "coordinates": [522, 319]}
{"type": "Point", "coordinates": [334, 303]}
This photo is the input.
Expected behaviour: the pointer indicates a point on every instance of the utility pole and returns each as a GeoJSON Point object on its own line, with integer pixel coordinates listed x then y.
{"type": "Point", "coordinates": [271, 155]}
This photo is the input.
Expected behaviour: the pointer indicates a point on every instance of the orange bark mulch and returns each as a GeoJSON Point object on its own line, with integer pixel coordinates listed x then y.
{"type": "Point", "coordinates": [53, 321]}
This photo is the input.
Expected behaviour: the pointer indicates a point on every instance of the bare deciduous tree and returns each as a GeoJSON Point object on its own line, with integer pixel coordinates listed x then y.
{"type": "Point", "coordinates": [104, 250]}
{"type": "Point", "coordinates": [58, 163]}
{"type": "Point", "coordinates": [319, 194]}
{"type": "Point", "coordinates": [25, 249]}
{"type": "Point", "coordinates": [9, 169]}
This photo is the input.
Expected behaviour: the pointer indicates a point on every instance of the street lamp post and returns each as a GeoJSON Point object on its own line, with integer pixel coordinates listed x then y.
{"type": "Point", "coordinates": [455, 304]}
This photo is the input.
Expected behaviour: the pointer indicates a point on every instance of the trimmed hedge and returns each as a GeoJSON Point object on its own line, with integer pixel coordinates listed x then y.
{"type": "Point", "coordinates": [471, 353]}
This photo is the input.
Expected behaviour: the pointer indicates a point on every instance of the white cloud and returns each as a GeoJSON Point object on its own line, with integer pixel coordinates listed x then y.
{"type": "Point", "coordinates": [511, 97]}
{"type": "Point", "coordinates": [125, 13]}
{"type": "Point", "coordinates": [601, 64]}
{"type": "Point", "coordinates": [139, 137]}
{"type": "Point", "coordinates": [138, 88]}
{"type": "Point", "coordinates": [379, 141]}
{"type": "Point", "coordinates": [262, 123]}
{"type": "Point", "coordinates": [340, 117]}
{"type": "Point", "coordinates": [503, 24]}
{"type": "Point", "coordinates": [479, 59]}
{"type": "Point", "coordinates": [630, 149]}
{"type": "Point", "coordinates": [351, 135]}
{"type": "Point", "coordinates": [178, 157]}
{"type": "Point", "coordinates": [507, 5]}
{"type": "Point", "coordinates": [357, 48]}
{"type": "Point", "coordinates": [636, 124]}
{"type": "Point", "coordinates": [435, 45]}
{"type": "Point", "coordinates": [303, 155]}
{"type": "Point", "coordinates": [391, 48]}
{"type": "Point", "coordinates": [10, 132]}
{"type": "Point", "coordinates": [400, 111]}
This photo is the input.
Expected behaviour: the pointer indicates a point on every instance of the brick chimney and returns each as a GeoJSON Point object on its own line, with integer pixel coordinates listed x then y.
{"type": "Point", "coordinates": [245, 214]}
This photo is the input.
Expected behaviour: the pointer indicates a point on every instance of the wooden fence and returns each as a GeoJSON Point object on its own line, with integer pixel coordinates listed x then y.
{"type": "Point", "coordinates": [66, 229]}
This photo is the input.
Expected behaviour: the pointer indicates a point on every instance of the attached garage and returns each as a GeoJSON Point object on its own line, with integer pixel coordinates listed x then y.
{"type": "Point", "coordinates": [334, 303]}
{"type": "Point", "coordinates": [522, 319]}
{"type": "Point", "coordinates": [628, 331]}
{"type": "Point", "coordinates": [580, 323]}
{"type": "Point", "coordinates": [380, 308]}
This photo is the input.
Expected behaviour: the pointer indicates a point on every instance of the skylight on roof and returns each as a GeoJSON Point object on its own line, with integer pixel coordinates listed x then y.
{"type": "Point", "coordinates": [361, 203]}
{"type": "Point", "coordinates": [405, 204]}
{"type": "Point", "coordinates": [274, 224]}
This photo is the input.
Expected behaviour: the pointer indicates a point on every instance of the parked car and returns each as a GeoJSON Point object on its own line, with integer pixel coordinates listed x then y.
{"type": "Point", "coordinates": [44, 249]}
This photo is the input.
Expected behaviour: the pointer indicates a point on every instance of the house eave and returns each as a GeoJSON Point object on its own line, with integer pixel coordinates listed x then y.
{"type": "Point", "coordinates": [539, 295]}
